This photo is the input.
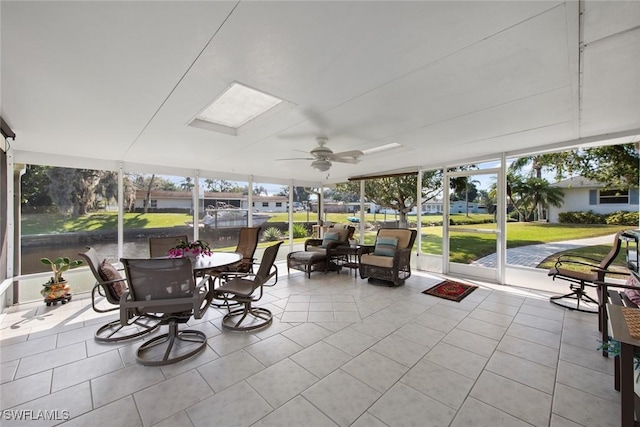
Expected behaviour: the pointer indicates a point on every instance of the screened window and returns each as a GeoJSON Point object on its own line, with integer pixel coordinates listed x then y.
{"type": "Point", "coordinates": [265, 204]}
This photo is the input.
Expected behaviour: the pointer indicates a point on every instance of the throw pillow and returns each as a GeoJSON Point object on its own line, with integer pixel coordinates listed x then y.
{"type": "Point", "coordinates": [633, 294]}
{"type": "Point", "coordinates": [328, 238]}
{"type": "Point", "coordinates": [386, 246]}
{"type": "Point", "coordinates": [108, 272]}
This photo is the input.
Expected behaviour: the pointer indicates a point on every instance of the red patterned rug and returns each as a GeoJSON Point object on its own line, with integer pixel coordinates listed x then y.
{"type": "Point", "coordinates": [450, 290]}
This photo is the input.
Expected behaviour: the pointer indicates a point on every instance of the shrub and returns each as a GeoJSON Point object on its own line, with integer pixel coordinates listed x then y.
{"type": "Point", "coordinates": [271, 234]}
{"type": "Point", "coordinates": [623, 218]}
{"type": "Point", "coordinates": [582, 217]}
{"type": "Point", "coordinates": [299, 231]}
{"type": "Point", "coordinates": [590, 217]}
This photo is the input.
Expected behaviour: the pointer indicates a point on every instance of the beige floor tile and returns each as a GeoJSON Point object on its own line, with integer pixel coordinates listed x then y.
{"type": "Point", "coordinates": [85, 369]}
{"type": "Point", "coordinates": [281, 382]}
{"type": "Point", "coordinates": [228, 342]}
{"type": "Point", "coordinates": [581, 378]}
{"type": "Point", "coordinates": [550, 325]}
{"type": "Point", "coordinates": [404, 406]}
{"type": "Point", "coordinates": [585, 409]}
{"type": "Point", "coordinates": [484, 329]}
{"type": "Point", "coordinates": [419, 334]}
{"type": "Point", "coordinates": [351, 341]}
{"type": "Point", "coordinates": [518, 400]}
{"type": "Point", "coordinates": [472, 342]}
{"type": "Point", "coordinates": [375, 370]}
{"type": "Point", "coordinates": [401, 350]}
{"type": "Point", "coordinates": [461, 361]}
{"type": "Point", "coordinates": [296, 412]}
{"type": "Point", "coordinates": [50, 359]}
{"type": "Point", "coordinates": [475, 413]}
{"type": "Point", "coordinates": [118, 384]}
{"type": "Point", "coordinates": [229, 370]}
{"type": "Point", "coordinates": [273, 349]}
{"type": "Point", "coordinates": [368, 420]}
{"type": "Point", "coordinates": [170, 396]}
{"type": "Point", "coordinates": [306, 334]}
{"type": "Point", "coordinates": [535, 375]}
{"type": "Point", "coordinates": [539, 336]}
{"type": "Point", "coordinates": [529, 350]}
{"type": "Point", "coordinates": [444, 385]}
{"type": "Point", "coordinates": [588, 359]}
{"type": "Point", "coordinates": [180, 419]}
{"type": "Point", "coordinates": [321, 359]}
{"type": "Point", "coordinates": [122, 412]}
{"type": "Point", "coordinates": [491, 317]}
{"type": "Point", "coordinates": [25, 389]}
{"type": "Point", "coordinates": [231, 406]}
{"type": "Point", "coordinates": [341, 397]}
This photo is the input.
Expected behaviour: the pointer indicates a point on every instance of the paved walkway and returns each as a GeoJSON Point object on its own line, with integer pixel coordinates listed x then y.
{"type": "Point", "coordinates": [532, 255]}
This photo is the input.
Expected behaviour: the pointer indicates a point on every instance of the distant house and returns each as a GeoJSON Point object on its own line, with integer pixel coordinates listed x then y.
{"type": "Point", "coordinates": [182, 201]}
{"type": "Point", "coordinates": [581, 194]}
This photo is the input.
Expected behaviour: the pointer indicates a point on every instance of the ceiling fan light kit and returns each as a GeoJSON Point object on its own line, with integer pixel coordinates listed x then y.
{"type": "Point", "coordinates": [321, 165]}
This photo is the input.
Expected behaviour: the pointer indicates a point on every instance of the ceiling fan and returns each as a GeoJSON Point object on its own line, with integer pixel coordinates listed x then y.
{"type": "Point", "coordinates": [322, 156]}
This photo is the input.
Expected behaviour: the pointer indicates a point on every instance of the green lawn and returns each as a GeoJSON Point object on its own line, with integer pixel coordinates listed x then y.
{"type": "Point", "coordinates": [465, 247]}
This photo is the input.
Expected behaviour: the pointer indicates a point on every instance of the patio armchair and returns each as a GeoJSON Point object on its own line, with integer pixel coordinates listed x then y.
{"type": "Point", "coordinates": [336, 235]}
{"type": "Point", "coordinates": [111, 285]}
{"type": "Point", "coordinates": [571, 268]}
{"type": "Point", "coordinates": [167, 286]}
{"type": "Point", "coordinates": [389, 260]}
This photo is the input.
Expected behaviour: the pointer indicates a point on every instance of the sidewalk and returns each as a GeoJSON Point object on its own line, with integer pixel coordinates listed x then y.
{"type": "Point", "coordinates": [532, 255]}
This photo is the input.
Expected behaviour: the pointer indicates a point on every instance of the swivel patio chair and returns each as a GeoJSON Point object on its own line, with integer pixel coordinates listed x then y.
{"type": "Point", "coordinates": [167, 286]}
{"type": "Point", "coordinates": [111, 285]}
{"type": "Point", "coordinates": [159, 246]}
{"type": "Point", "coordinates": [243, 289]}
{"type": "Point", "coordinates": [388, 262]}
{"type": "Point", "coordinates": [567, 268]}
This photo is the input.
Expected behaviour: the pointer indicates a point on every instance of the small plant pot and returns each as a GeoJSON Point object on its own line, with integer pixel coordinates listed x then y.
{"type": "Point", "coordinates": [55, 291]}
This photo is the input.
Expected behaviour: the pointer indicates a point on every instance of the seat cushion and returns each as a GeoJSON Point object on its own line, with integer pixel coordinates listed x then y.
{"type": "Point", "coordinates": [573, 274]}
{"type": "Point", "coordinates": [377, 260]}
{"type": "Point", "coordinates": [633, 294]}
{"type": "Point", "coordinates": [386, 246]}
{"type": "Point", "coordinates": [108, 272]}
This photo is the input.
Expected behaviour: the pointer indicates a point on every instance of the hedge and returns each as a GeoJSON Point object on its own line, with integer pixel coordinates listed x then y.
{"type": "Point", "coordinates": [590, 217]}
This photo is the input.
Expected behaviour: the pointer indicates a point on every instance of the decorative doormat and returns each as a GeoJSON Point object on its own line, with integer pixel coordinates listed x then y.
{"type": "Point", "coordinates": [448, 289]}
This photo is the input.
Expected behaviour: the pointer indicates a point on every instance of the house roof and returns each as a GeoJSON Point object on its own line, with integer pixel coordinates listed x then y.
{"type": "Point", "coordinates": [577, 182]}
{"type": "Point", "coordinates": [110, 84]}
{"type": "Point", "coordinates": [161, 194]}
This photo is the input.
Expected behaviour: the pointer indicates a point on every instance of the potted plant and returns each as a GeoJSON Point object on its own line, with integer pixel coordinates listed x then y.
{"type": "Point", "coordinates": [190, 249]}
{"type": "Point", "coordinates": [57, 288]}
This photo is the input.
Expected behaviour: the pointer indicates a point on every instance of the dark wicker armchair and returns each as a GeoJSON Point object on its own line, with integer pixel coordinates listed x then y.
{"type": "Point", "coordinates": [334, 237]}
{"type": "Point", "coordinates": [389, 260]}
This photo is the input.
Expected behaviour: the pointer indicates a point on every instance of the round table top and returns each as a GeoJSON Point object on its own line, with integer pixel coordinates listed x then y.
{"type": "Point", "coordinates": [216, 260]}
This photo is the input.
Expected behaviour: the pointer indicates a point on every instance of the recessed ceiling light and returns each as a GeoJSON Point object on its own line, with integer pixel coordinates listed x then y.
{"type": "Point", "coordinates": [236, 107]}
{"type": "Point", "coordinates": [380, 148]}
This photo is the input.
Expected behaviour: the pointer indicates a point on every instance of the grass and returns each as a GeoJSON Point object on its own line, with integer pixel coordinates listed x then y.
{"type": "Point", "coordinates": [465, 247]}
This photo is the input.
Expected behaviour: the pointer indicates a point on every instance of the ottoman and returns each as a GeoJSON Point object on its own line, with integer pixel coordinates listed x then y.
{"type": "Point", "coordinates": [306, 260]}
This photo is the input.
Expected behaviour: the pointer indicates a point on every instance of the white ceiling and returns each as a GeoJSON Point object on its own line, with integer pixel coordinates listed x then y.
{"type": "Point", "coordinates": [450, 81]}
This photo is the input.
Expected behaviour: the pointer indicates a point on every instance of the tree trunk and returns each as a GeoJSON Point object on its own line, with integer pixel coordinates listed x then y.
{"type": "Point", "coordinates": [147, 200]}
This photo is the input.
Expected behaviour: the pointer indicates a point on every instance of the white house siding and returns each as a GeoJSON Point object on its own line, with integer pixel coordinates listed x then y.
{"type": "Point", "coordinates": [577, 200]}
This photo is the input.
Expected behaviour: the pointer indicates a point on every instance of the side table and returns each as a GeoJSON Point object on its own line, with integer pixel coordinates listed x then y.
{"type": "Point", "coordinates": [628, 345]}
{"type": "Point", "coordinates": [347, 257]}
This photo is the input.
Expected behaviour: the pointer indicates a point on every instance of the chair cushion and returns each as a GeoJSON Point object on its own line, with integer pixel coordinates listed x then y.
{"type": "Point", "coordinates": [402, 234]}
{"type": "Point", "coordinates": [386, 246]}
{"type": "Point", "coordinates": [330, 237]}
{"type": "Point", "coordinates": [377, 260]}
{"type": "Point", "coordinates": [108, 272]}
{"type": "Point", "coordinates": [633, 294]}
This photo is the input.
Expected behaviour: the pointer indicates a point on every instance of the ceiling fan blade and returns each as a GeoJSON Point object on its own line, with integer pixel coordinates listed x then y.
{"type": "Point", "coordinates": [352, 153]}
{"type": "Point", "coordinates": [298, 158]}
{"type": "Point", "coordinates": [353, 161]}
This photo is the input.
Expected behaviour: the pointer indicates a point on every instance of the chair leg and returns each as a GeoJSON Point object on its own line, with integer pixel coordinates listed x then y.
{"type": "Point", "coordinates": [259, 317]}
{"type": "Point", "coordinates": [115, 331]}
{"type": "Point", "coordinates": [578, 293]}
{"type": "Point", "coordinates": [148, 355]}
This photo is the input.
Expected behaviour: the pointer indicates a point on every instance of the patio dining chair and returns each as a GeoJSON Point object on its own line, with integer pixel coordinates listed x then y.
{"type": "Point", "coordinates": [159, 246]}
{"type": "Point", "coordinates": [571, 268]}
{"type": "Point", "coordinates": [111, 285]}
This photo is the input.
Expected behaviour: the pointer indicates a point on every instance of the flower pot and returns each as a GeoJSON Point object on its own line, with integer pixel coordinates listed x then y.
{"type": "Point", "coordinates": [55, 291]}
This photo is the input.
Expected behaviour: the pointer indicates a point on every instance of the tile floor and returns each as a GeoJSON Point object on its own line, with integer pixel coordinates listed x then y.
{"type": "Point", "coordinates": [339, 352]}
